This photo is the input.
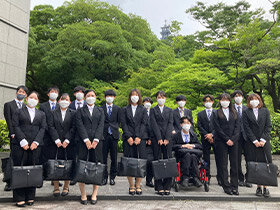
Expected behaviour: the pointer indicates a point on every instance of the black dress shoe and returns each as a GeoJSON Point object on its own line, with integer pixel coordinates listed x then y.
{"type": "Point", "coordinates": [259, 191]}
{"type": "Point", "coordinates": [84, 202]}
{"type": "Point", "coordinates": [161, 192]}
{"type": "Point", "coordinates": [7, 187]}
{"type": "Point", "coordinates": [64, 193]}
{"type": "Point", "coordinates": [93, 202]}
{"type": "Point", "coordinates": [166, 192]}
{"type": "Point", "coordinates": [150, 184]}
{"type": "Point", "coordinates": [72, 183]}
{"type": "Point", "coordinates": [112, 182]}
{"type": "Point", "coordinates": [266, 193]}
{"type": "Point", "coordinates": [235, 192]}
{"type": "Point", "coordinates": [219, 182]}
{"type": "Point", "coordinates": [20, 205]}
{"type": "Point", "coordinates": [138, 191]}
{"type": "Point", "coordinates": [104, 182]}
{"type": "Point", "coordinates": [246, 184]}
{"type": "Point", "coordinates": [241, 184]}
{"type": "Point", "coordinates": [185, 183]}
{"type": "Point", "coordinates": [30, 203]}
{"type": "Point", "coordinates": [197, 182]}
{"type": "Point", "coordinates": [228, 191]}
{"type": "Point", "coordinates": [131, 191]}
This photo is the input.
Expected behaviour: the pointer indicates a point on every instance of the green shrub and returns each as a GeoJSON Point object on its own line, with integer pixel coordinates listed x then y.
{"type": "Point", "coordinates": [4, 134]}
{"type": "Point", "coordinates": [120, 142]}
{"type": "Point", "coordinates": [275, 144]}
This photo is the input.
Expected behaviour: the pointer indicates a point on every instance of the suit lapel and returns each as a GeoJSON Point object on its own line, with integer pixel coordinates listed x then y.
{"type": "Point", "coordinates": [36, 116]}
{"type": "Point", "coordinates": [129, 113]}
{"type": "Point", "coordinates": [159, 112]}
{"type": "Point", "coordinates": [205, 115]}
{"type": "Point", "coordinates": [87, 112]}
{"type": "Point", "coordinates": [251, 112]}
{"type": "Point", "coordinates": [27, 114]}
{"type": "Point", "coordinates": [59, 115]}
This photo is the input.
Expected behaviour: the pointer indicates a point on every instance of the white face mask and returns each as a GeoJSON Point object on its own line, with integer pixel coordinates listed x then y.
{"type": "Point", "coordinates": [32, 102]}
{"type": "Point", "coordinates": [254, 103]}
{"type": "Point", "coordinates": [90, 100]}
{"type": "Point", "coordinates": [238, 99]}
{"type": "Point", "coordinates": [186, 127]}
{"type": "Point", "coordinates": [147, 105]}
{"type": "Point", "coordinates": [208, 105]}
{"type": "Point", "coordinates": [134, 99]}
{"type": "Point", "coordinates": [161, 101]}
{"type": "Point", "coordinates": [53, 96]}
{"type": "Point", "coordinates": [225, 104]}
{"type": "Point", "coordinates": [79, 96]}
{"type": "Point", "coordinates": [109, 99]}
{"type": "Point", "coordinates": [181, 104]}
{"type": "Point", "coordinates": [64, 104]}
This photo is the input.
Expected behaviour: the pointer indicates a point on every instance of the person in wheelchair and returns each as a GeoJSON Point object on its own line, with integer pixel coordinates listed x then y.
{"type": "Point", "coordinates": [188, 151]}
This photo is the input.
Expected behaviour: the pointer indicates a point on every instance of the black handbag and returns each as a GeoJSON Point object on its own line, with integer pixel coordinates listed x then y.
{"type": "Point", "coordinates": [59, 169]}
{"type": "Point", "coordinates": [89, 172]}
{"type": "Point", "coordinates": [262, 173]}
{"type": "Point", "coordinates": [165, 168]}
{"type": "Point", "coordinates": [27, 176]}
{"type": "Point", "coordinates": [133, 167]}
{"type": "Point", "coordinates": [197, 152]}
{"type": "Point", "coordinates": [6, 169]}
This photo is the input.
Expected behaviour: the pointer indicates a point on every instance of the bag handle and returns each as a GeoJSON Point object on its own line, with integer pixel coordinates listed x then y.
{"type": "Point", "coordinates": [65, 153]}
{"type": "Point", "coordinates": [25, 154]}
{"type": "Point", "coordinates": [267, 163]}
{"type": "Point", "coordinates": [160, 151]}
{"type": "Point", "coordinates": [94, 155]}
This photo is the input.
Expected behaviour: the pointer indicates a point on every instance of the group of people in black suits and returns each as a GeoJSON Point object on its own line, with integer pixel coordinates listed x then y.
{"type": "Point", "coordinates": [81, 130]}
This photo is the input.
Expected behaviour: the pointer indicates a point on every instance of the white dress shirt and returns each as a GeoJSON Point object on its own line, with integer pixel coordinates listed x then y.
{"type": "Point", "coordinates": [108, 108]}
{"type": "Point", "coordinates": [226, 112]}
{"type": "Point", "coordinates": [77, 105]}
{"type": "Point", "coordinates": [256, 113]}
{"type": "Point", "coordinates": [161, 108]}
{"type": "Point", "coordinates": [90, 109]}
{"type": "Point", "coordinates": [31, 112]}
{"type": "Point", "coordinates": [52, 103]}
{"type": "Point", "coordinates": [63, 114]}
{"type": "Point", "coordinates": [19, 103]}
{"type": "Point", "coordinates": [133, 109]}
{"type": "Point", "coordinates": [181, 111]}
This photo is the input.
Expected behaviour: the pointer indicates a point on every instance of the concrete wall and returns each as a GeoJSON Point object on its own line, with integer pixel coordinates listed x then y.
{"type": "Point", "coordinates": [14, 24]}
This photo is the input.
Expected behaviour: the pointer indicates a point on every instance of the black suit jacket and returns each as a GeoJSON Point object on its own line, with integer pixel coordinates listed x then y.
{"type": "Point", "coordinates": [9, 110]}
{"type": "Point", "coordinates": [257, 129]}
{"type": "Point", "coordinates": [177, 117]}
{"type": "Point", "coordinates": [88, 126]}
{"type": "Point", "coordinates": [226, 129]}
{"type": "Point", "coordinates": [24, 129]}
{"type": "Point", "coordinates": [113, 122]}
{"type": "Point", "coordinates": [178, 141]}
{"type": "Point", "coordinates": [62, 130]}
{"type": "Point", "coordinates": [149, 130]}
{"type": "Point", "coordinates": [73, 107]}
{"type": "Point", "coordinates": [205, 125]}
{"type": "Point", "coordinates": [134, 126]}
{"type": "Point", "coordinates": [162, 123]}
{"type": "Point", "coordinates": [243, 133]}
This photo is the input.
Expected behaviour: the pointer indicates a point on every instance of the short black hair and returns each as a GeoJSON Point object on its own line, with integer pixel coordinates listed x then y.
{"type": "Point", "coordinates": [53, 88]}
{"type": "Point", "coordinates": [89, 90]}
{"type": "Point", "coordinates": [148, 99]}
{"type": "Point", "coordinates": [181, 98]}
{"type": "Point", "coordinates": [182, 119]}
{"type": "Point", "coordinates": [64, 96]}
{"type": "Point", "coordinates": [79, 88]}
{"type": "Point", "coordinates": [110, 93]}
{"type": "Point", "coordinates": [33, 91]}
{"type": "Point", "coordinates": [161, 93]}
{"type": "Point", "coordinates": [208, 96]}
{"type": "Point", "coordinates": [239, 92]}
{"type": "Point", "coordinates": [22, 87]}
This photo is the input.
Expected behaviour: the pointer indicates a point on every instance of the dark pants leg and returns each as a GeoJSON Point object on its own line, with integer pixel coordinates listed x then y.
{"type": "Point", "coordinates": [233, 153]}
{"type": "Point", "coordinates": [150, 158]}
{"type": "Point", "coordinates": [110, 145]}
{"type": "Point", "coordinates": [206, 155]}
{"type": "Point", "coordinates": [241, 148]}
{"type": "Point", "coordinates": [194, 166]}
{"type": "Point", "coordinates": [185, 164]}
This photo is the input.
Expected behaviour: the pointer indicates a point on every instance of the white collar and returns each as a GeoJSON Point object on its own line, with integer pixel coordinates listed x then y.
{"type": "Point", "coordinates": [90, 107]}
{"type": "Point", "coordinates": [19, 101]}
{"type": "Point", "coordinates": [181, 109]}
{"type": "Point", "coordinates": [109, 105]}
{"type": "Point", "coordinates": [82, 101]}
{"type": "Point", "coordinates": [209, 109]}
{"type": "Point", "coordinates": [238, 106]}
{"type": "Point", "coordinates": [134, 107]}
{"type": "Point", "coordinates": [30, 109]}
{"type": "Point", "coordinates": [51, 102]}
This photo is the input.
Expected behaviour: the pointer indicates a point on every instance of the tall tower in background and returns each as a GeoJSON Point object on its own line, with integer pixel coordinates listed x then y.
{"type": "Point", "coordinates": [165, 31]}
{"type": "Point", "coordinates": [14, 25]}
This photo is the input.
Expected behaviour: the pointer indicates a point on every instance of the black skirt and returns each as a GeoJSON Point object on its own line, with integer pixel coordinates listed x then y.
{"type": "Point", "coordinates": [93, 153]}
{"type": "Point", "coordinates": [258, 153]}
{"type": "Point", "coordinates": [135, 151]}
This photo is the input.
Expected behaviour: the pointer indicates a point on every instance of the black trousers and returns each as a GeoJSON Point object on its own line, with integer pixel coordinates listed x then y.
{"type": "Point", "coordinates": [110, 145]}
{"type": "Point", "coordinates": [226, 152]}
{"type": "Point", "coordinates": [206, 157]}
{"type": "Point", "coordinates": [25, 194]}
{"type": "Point", "coordinates": [162, 152]}
{"type": "Point", "coordinates": [241, 149]}
{"type": "Point", "coordinates": [150, 158]}
{"type": "Point", "coordinates": [188, 164]}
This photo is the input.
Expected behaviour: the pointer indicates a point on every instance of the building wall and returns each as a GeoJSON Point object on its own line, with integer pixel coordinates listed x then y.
{"type": "Point", "coordinates": [14, 24]}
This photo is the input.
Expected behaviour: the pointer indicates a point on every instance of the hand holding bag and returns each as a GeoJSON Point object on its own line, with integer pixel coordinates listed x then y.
{"type": "Point", "coordinates": [89, 172]}
{"type": "Point", "coordinates": [27, 176]}
{"type": "Point", "coordinates": [164, 168]}
{"type": "Point", "coordinates": [133, 167]}
{"type": "Point", "coordinates": [261, 173]}
{"type": "Point", "coordinates": [59, 169]}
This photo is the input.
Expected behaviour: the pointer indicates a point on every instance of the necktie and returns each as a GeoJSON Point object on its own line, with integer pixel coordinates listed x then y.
{"type": "Point", "coordinates": [239, 111]}
{"type": "Point", "coordinates": [79, 105]}
{"type": "Point", "coordinates": [109, 111]}
{"type": "Point", "coordinates": [148, 112]}
{"type": "Point", "coordinates": [19, 105]}
{"type": "Point", "coordinates": [181, 113]}
{"type": "Point", "coordinates": [53, 106]}
{"type": "Point", "coordinates": [186, 138]}
{"type": "Point", "coordinates": [209, 114]}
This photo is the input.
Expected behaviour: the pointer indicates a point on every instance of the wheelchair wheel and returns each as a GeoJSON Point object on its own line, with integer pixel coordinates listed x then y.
{"type": "Point", "coordinates": [206, 186]}
{"type": "Point", "coordinates": [176, 187]}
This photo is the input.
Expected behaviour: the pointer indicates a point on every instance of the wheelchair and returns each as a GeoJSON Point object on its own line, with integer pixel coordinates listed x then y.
{"type": "Point", "coordinates": [202, 176]}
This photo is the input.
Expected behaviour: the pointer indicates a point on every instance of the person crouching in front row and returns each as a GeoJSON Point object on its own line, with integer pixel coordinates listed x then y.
{"type": "Point", "coordinates": [183, 144]}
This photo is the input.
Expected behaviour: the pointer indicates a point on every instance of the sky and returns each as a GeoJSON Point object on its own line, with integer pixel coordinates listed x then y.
{"type": "Point", "coordinates": [157, 11]}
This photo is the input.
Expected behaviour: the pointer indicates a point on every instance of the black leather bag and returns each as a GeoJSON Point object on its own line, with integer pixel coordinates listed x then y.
{"type": "Point", "coordinates": [262, 173]}
{"type": "Point", "coordinates": [165, 168]}
{"type": "Point", "coordinates": [27, 176]}
{"type": "Point", "coordinates": [6, 169]}
{"type": "Point", "coordinates": [134, 167]}
{"type": "Point", "coordinates": [197, 152]}
{"type": "Point", "coordinates": [89, 172]}
{"type": "Point", "coordinates": [59, 169]}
